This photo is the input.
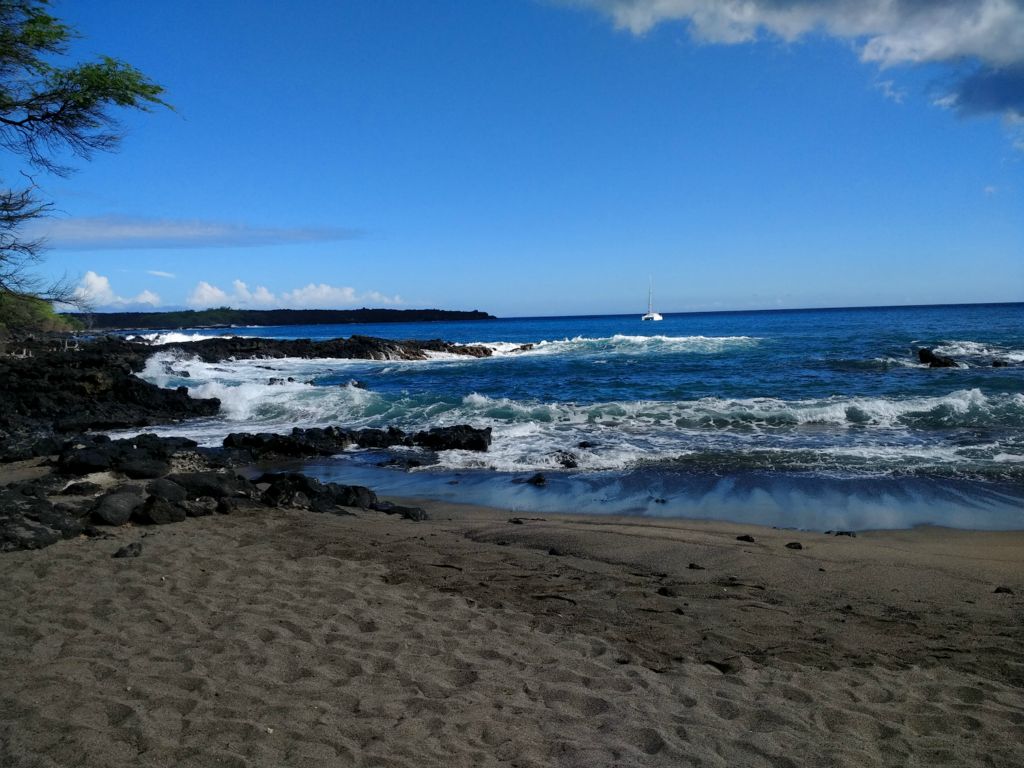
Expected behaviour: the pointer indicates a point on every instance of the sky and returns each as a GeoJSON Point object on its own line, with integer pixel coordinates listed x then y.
{"type": "Point", "coordinates": [549, 157]}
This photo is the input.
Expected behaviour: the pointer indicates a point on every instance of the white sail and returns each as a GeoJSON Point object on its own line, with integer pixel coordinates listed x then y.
{"type": "Point", "coordinates": [651, 314]}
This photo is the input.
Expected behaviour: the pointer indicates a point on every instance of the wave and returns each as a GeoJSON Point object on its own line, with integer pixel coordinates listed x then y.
{"type": "Point", "coordinates": [979, 349]}
{"type": "Point", "coordinates": [964, 431]}
{"type": "Point", "coordinates": [171, 337]}
{"type": "Point", "coordinates": [619, 343]}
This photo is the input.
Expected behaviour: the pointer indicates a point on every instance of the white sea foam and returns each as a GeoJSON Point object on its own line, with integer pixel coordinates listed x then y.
{"type": "Point", "coordinates": [619, 343]}
{"type": "Point", "coordinates": [171, 337]}
{"type": "Point", "coordinates": [978, 349]}
{"type": "Point", "coordinates": [831, 433]}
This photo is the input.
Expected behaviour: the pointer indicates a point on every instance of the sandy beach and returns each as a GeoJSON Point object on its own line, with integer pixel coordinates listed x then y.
{"type": "Point", "coordinates": [288, 638]}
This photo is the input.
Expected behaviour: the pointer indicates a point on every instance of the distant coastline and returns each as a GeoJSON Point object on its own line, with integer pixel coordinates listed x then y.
{"type": "Point", "coordinates": [227, 318]}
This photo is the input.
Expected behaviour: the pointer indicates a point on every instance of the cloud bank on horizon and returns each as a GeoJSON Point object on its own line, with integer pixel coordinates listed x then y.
{"type": "Point", "coordinates": [95, 291]}
{"type": "Point", "coordinates": [981, 40]}
{"type": "Point", "coordinates": [312, 296]}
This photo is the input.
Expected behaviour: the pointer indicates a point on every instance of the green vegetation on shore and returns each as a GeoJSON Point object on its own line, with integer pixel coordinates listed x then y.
{"type": "Point", "coordinates": [27, 314]}
{"type": "Point", "coordinates": [225, 316]}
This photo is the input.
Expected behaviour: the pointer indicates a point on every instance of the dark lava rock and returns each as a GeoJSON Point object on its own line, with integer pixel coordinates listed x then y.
{"type": "Point", "coordinates": [584, 444]}
{"type": "Point", "coordinates": [292, 489]}
{"type": "Point", "coordinates": [566, 459]}
{"type": "Point", "coordinates": [30, 522]}
{"type": "Point", "coordinates": [935, 361]}
{"type": "Point", "coordinates": [1002, 591]}
{"type": "Point", "coordinates": [140, 457]}
{"type": "Point", "coordinates": [416, 514]}
{"type": "Point", "coordinates": [667, 592]}
{"type": "Point", "coordinates": [144, 469]}
{"type": "Point", "coordinates": [204, 506]}
{"type": "Point", "coordinates": [328, 441]}
{"type": "Point", "coordinates": [212, 483]}
{"type": "Point", "coordinates": [129, 550]}
{"type": "Point", "coordinates": [94, 387]}
{"type": "Point", "coordinates": [695, 567]}
{"type": "Point", "coordinates": [1000, 364]}
{"type": "Point", "coordinates": [157, 511]}
{"type": "Point", "coordinates": [379, 438]}
{"type": "Point", "coordinates": [537, 480]}
{"type": "Point", "coordinates": [28, 444]}
{"type": "Point", "coordinates": [214, 350]}
{"type": "Point", "coordinates": [794, 545]}
{"type": "Point", "coordinates": [556, 552]}
{"type": "Point", "coordinates": [300, 443]}
{"type": "Point", "coordinates": [82, 488]}
{"type": "Point", "coordinates": [117, 506]}
{"type": "Point", "coordinates": [746, 537]}
{"type": "Point", "coordinates": [227, 506]}
{"type": "Point", "coordinates": [167, 490]}
{"type": "Point", "coordinates": [459, 437]}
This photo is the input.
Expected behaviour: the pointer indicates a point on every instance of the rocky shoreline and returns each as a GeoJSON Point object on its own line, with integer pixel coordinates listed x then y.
{"type": "Point", "coordinates": [58, 481]}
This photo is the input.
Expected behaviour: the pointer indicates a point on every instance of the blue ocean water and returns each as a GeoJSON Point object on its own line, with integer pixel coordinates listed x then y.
{"type": "Point", "coordinates": [809, 418]}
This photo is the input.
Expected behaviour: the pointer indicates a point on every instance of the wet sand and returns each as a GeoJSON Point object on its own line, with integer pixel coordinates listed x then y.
{"type": "Point", "coordinates": [287, 638]}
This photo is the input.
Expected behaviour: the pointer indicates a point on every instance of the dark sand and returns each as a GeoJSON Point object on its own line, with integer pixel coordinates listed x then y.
{"type": "Point", "coordinates": [286, 638]}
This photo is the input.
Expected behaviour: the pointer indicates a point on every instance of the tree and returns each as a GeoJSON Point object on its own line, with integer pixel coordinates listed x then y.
{"type": "Point", "coordinates": [50, 115]}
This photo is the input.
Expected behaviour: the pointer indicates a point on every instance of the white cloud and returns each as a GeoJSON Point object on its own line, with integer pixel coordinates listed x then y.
{"type": "Point", "coordinates": [95, 290]}
{"type": "Point", "coordinates": [312, 296]}
{"type": "Point", "coordinates": [990, 190]}
{"type": "Point", "coordinates": [980, 41]}
{"type": "Point", "coordinates": [887, 31]}
{"type": "Point", "coordinates": [146, 297]}
{"type": "Point", "coordinates": [206, 295]}
{"type": "Point", "coordinates": [261, 296]}
{"type": "Point", "coordinates": [160, 273]}
{"type": "Point", "coordinates": [139, 232]}
{"type": "Point", "coordinates": [321, 295]}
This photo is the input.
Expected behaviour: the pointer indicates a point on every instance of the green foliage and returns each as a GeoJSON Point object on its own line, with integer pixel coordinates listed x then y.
{"type": "Point", "coordinates": [19, 314]}
{"type": "Point", "coordinates": [49, 112]}
{"type": "Point", "coordinates": [45, 108]}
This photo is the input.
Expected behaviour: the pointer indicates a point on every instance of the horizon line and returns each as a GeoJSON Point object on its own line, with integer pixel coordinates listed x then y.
{"type": "Point", "coordinates": [535, 317]}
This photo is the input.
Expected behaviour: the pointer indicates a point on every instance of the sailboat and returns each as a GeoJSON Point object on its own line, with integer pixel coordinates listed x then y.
{"type": "Point", "coordinates": [651, 314]}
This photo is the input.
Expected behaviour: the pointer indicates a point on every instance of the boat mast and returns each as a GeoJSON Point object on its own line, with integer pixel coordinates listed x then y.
{"type": "Point", "coordinates": [650, 295]}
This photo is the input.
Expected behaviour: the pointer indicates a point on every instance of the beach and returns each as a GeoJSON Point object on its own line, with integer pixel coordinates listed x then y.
{"type": "Point", "coordinates": [272, 637]}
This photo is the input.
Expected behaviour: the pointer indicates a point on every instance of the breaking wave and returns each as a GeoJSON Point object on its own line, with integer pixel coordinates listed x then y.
{"type": "Point", "coordinates": [979, 351]}
{"type": "Point", "coordinates": [964, 432]}
{"type": "Point", "coordinates": [172, 337]}
{"type": "Point", "coordinates": [621, 344]}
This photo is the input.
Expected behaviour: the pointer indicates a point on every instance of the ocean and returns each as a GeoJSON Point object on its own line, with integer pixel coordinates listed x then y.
{"type": "Point", "coordinates": [813, 419]}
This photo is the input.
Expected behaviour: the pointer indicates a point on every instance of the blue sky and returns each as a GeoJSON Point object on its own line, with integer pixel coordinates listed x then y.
{"type": "Point", "coordinates": [532, 157]}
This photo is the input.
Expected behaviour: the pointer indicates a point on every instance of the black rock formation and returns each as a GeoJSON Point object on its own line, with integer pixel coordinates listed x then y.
{"type": "Point", "coordinates": [935, 361]}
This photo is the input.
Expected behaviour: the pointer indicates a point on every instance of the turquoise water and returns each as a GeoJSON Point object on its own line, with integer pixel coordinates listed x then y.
{"type": "Point", "coordinates": [818, 419]}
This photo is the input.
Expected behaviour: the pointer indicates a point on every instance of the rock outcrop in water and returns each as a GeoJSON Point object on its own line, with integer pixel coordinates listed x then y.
{"type": "Point", "coordinates": [328, 441]}
{"type": "Point", "coordinates": [49, 388]}
{"type": "Point", "coordinates": [936, 361]}
{"type": "Point", "coordinates": [51, 392]}
{"type": "Point", "coordinates": [354, 347]}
